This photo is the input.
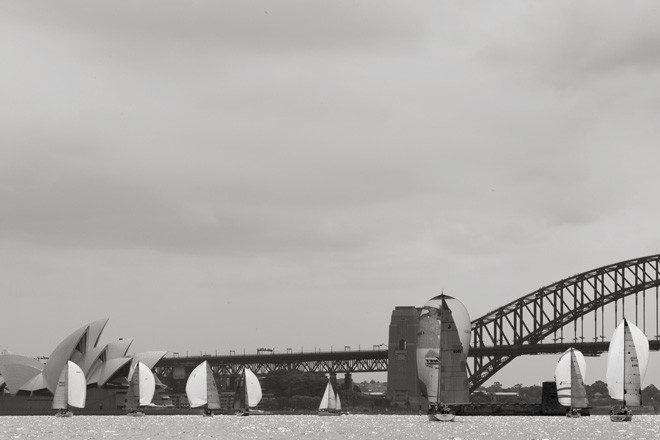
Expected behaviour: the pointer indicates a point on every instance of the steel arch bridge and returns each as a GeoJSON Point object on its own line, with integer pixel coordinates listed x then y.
{"type": "Point", "coordinates": [542, 321]}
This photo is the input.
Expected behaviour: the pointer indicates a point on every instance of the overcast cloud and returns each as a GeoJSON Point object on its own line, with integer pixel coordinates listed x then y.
{"type": "Point", "coordinates": [229, 175]}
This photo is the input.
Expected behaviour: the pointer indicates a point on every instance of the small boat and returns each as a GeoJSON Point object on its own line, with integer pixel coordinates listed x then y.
{"type": "Point", "coordinates": [202, 390]}
{"type": "Point", "coordinates": [330, 402]}
{"type": "Point", "coordinates": [71, 390]}
{"type": "Point", "coordinates": [248, 395]}
{"type": "Point", "coordinates": [443, 340]}
{"type": "Point", "coordinates": [569, 377]}
{"type": "Point", "coordinates": [140, 391]}
{"type": "Point", "coordinates": [627, 358]}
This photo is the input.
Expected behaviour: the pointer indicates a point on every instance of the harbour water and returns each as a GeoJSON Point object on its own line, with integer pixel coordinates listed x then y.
{"type": "Point", "coordinates": [372, 427]}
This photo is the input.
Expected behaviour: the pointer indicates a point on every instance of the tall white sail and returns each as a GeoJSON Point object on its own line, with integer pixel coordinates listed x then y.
{"type": "Point", "coordinates": [77, 385]}
{"type": "Point", "coordinates": [330, 399]}
{"type": "Point", "coordinates": [196, 386]}
{"type": "Point", "coordinates": [71, 387]}
{"type": "Point", "coordinates": [141, 388]}
{"type": "Point", "coordinates": [253, 388]}
{"type": "Point", "coordinates": [201, 389]}
{"type": "Point", "coordinates": [147, 384]}
{"type": "Point", "coordinates": [443, 341]}
{"type": "Point", "coordinates": [325, 399]}
{"type": "Point", "coordinates": [569, 377]}
{"type": "Point", "coordinates": [627, 359]}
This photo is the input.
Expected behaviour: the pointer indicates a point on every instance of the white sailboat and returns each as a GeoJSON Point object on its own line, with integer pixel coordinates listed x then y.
{"type": "Point", "coordinates": [330, 402]}
{"type": "Point", "coordinates": [71, 390]}
{"type": "Point", "coordinates": [202, 390]}
{"type": "Point", "coordinates": [443, 340]}
{"type": "Point", "coordinates": [627, 359]}
{"type": "Point", "coordinates": [248, 394]}
{"type": "Point", "coordinates": [569, 377]}
{"type": "Point", "coordinates": [141, 389]}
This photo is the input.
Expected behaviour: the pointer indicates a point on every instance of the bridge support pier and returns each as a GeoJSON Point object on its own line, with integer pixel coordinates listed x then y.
{"type": "Point", "coordinates": [348, 382]}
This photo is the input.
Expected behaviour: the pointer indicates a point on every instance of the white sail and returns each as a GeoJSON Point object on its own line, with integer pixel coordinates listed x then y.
{"type": "Point", "coordinates": [77, 386]}
{"type": "Point", "coordinates": [338, 403]}
{"type": "Point", "coordinates": [71, 387]}
{"type": "Point", "coordinates": [201, 389]}
{"type": "Point", "coordinates": [326, 394]}
{"type": "Point", "coordinates": [253, 388]}
{"type": "Point", "coordinates": [627, 359]}
{"type": "Point", "coordinates": [442, 346]}
{"type": "Point", "coordinates": [569, 377]}
{"type": "Point", "coordinates": [196, 386]}
{"type": "Point", "coordinates": [147, 384]}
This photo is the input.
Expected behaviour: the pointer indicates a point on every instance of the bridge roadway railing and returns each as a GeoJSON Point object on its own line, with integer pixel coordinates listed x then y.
{"type": "Point", "coordinates": [367, 361]}
{"type": "Point", "coordinates": [261, 364]}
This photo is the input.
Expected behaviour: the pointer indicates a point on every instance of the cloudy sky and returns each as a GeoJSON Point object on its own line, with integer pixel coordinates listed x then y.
{"type": "Point", "coordinates": [216, 175]}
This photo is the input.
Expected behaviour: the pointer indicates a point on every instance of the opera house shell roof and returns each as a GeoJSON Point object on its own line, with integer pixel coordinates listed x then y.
{"type": "Point", "coordinates": [103, 365]}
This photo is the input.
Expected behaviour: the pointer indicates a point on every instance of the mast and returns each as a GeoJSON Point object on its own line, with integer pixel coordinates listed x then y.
{"type": "Point", "coordinates": [625, 330]}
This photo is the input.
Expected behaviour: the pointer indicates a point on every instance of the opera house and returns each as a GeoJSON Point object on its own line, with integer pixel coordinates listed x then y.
{"type": "Point", "coordinates": [27, 385]}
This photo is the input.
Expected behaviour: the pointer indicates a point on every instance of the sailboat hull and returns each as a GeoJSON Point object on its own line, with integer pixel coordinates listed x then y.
{"type": "Point", "coordinates": [621, 417]}
{"type": "Point", "coordinates": [64, 414]}
{"type": "Point", "coordinates": [329, 413]}
{"type": "Point", "coordinates": [440, 417]}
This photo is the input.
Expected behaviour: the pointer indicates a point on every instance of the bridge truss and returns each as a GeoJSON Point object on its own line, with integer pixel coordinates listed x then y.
{"type": "Point", "coordinates": [529, 325]}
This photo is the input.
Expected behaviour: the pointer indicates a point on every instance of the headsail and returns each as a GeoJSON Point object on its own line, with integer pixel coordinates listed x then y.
{"type": "Point", "coordinates": [627, 359]}
{"type": "Point", "coordinates": [196, 386]}
{"type": "Point", "coordinates": [77, 385]}
{"type": "Point", "coordinates": [253, 388]}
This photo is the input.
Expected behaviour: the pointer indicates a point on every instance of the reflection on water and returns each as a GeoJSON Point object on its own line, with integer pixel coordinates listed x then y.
{"type": "Point", "coordinates": [376, 427]}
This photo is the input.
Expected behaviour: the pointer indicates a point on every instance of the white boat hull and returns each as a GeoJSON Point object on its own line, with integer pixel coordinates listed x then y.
{"type": "Point", "coordinates": [440, 417]}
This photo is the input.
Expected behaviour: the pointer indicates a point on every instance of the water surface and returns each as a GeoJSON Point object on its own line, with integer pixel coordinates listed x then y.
{"type": "Point", "coordinates": [372, 427]}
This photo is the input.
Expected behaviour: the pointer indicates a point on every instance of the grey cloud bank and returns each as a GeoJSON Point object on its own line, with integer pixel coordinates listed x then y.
{"type": "Point", "coordinates": [267, 159]}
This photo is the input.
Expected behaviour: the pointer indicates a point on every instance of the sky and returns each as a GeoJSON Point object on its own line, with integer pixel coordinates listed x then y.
{"type": "Point", "coordinates": [229, 175]}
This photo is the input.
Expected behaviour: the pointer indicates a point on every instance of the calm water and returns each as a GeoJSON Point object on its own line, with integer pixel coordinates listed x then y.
{"type": "Point", "coordinates": [313, 427]}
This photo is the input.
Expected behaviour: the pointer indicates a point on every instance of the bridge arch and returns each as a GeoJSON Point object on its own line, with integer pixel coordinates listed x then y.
{"type": "Point", "coordinates": [547, 312]}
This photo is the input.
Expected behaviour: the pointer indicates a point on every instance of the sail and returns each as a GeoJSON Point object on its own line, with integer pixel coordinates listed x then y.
{"type": "Point", "coordinates": [326, 396]}
{"type": "Point", "coordinates": [453, 383]}
{"type": "Point", "coordinates": [212, 395]}
{"type": "Point", "coordinates": [569, 374]}
{"type": "Point", "coordinates": [253, 388]}
{"type": "Point", "coordinates": [141, 388]}
{"type": "Point", "coordinates": [196, 386]}
{"type": "Point", "coordinates": [578, 391]}
{"type": "Point", "coordinates": [76, 385]}
{"type": "Point", "coordinates": [147, 384]}
{"type": "Point", "coordinates": [60, 397]}
{"type": "Point", "coordinates": [338, 408]}
{"type": "Point", "coordinates": [443, 340]}
{"type": "Point", "coordinates": [627, 359]}
{"type": "Point", "coordinates": [133, 392]}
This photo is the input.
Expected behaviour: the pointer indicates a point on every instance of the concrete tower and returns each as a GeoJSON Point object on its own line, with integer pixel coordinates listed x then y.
{"type": "Point", "coordinates": [402, 385]}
